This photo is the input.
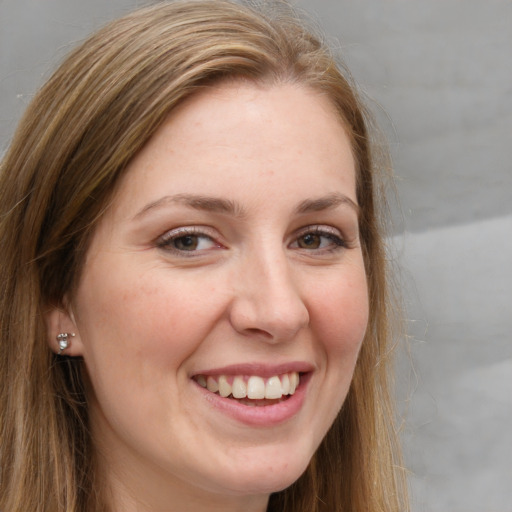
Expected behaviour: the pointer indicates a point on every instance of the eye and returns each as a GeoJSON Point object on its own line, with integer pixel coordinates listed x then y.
{"type": "Point", "coordinates": [319, 238]}
{"type": "Point", "coordinates": [188, 239]}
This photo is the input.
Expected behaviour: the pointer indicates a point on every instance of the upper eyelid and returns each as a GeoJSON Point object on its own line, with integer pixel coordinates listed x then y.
{"type": "Point", "coordinates": [319, 229]}
{"type": "Point", "coordinates": [207, 231]}
{"type": "Point", "coordinates": [213, 234]}
{"type": "Point", "coordinates": [187, 230]}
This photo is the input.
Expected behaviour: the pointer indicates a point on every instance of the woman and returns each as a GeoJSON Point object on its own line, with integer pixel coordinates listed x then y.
{"type": "Point", "coordinates": [194, 308]}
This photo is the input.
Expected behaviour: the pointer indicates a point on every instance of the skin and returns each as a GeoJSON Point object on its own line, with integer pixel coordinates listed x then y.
{"type": "Point", "coordinates": [263, 284]}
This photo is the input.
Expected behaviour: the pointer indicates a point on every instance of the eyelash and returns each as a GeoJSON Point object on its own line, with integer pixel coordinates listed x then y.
{"type": "Point", "coordinates": [335, 239]}
{"type": "Point", "coordinates": [168, 240]}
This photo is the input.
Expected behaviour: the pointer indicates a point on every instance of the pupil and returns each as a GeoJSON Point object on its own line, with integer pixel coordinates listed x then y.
{"type": "Point", "coordinates": [186, 243]}
{"type": "Point", "coordinates": [310, 241]}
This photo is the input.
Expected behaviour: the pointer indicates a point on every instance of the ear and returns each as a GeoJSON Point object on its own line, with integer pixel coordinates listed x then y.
{"type": "Point", "coordinates": [61, 320]}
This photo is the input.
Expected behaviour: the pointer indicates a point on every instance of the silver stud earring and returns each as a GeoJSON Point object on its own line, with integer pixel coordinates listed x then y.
{"type": "Point", "coordinates": [63, 340]}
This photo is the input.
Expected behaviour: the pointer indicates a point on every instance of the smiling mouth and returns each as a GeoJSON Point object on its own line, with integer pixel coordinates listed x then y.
{"type": "Point", "coordinates": [251, 390]}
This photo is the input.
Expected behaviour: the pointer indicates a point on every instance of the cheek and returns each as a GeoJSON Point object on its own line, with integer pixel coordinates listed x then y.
{"type": "Point", "coordinates": [138, 330]}
{"type": "Point", "coordinates": [341, 316]}
{"type": "Point", "coordinates": [145, 316]}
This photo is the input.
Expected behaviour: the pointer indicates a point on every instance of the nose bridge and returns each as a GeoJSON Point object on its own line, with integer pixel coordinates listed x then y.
{"type": "Point", "coordinates": [269, 298]}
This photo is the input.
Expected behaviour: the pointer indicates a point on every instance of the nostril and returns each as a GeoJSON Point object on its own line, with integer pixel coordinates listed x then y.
{"type": "Point", "coordinates": [258, 332]}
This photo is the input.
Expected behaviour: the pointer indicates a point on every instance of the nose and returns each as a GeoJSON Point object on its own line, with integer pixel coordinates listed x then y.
{"type": "Point", "coordinates": [267, 301]}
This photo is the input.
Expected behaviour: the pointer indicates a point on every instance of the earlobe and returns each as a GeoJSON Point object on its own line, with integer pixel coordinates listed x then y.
{"type": "Point", "coordinates": [64, 339]}
{"type": "Point", "coordinates": [62, 333]}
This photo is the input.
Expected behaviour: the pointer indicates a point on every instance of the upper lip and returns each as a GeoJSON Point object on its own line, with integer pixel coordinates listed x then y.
{"type": "Point", "coordinates": [260, 369]}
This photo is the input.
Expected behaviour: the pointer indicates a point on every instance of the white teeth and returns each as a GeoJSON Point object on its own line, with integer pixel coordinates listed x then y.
{"type": "Point", "coordinates": [294, 382]}
{"type": "Point", "coordinates": [212, 385]}
{"type": "Point", "coordinates": [224, 386]}
{"type": "Point", "coordinates": [255, 388]}
{"type": "Point", "coordinates": [285, 384]}
{"type": "Point", "coordinates": [273, 388]}
{"type": "Point", "coordinates": [239, 388]}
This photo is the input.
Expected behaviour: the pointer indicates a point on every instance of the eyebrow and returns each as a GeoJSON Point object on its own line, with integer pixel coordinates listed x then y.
{"type": "Point", "coordinates": [327, 203]}
{"type": "Point", "coordinates": [226, 206]}
{"type": "Point", "coordinates": [197, 202]}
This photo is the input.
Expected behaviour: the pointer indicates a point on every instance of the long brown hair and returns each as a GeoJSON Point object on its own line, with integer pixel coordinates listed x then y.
{"type": "Point", "coordinates": [78, 135]}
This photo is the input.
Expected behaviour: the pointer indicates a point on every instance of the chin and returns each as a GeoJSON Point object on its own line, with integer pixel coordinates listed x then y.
{"type": "Point", "coordinates": [267, 476]}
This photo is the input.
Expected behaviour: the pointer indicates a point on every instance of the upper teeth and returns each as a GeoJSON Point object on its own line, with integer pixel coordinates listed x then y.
{"type": "Point", "coordinates": [253, 387]}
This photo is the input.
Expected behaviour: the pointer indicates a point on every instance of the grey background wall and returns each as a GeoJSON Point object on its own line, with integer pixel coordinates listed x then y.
{"type": "Point", "coordinates": [439, 73]}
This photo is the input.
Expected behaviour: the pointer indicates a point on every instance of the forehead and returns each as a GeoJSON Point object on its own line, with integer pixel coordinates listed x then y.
{"type": "Point", "coordinates": [231, 137]}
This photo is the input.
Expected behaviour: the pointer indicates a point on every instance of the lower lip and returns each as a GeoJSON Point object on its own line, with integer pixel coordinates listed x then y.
{"type": "Point", "coordinates": [262, 415]}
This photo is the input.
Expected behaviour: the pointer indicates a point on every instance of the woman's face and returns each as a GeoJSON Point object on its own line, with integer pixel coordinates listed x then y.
{"type": "Point", "coordinates": [230, 259]}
